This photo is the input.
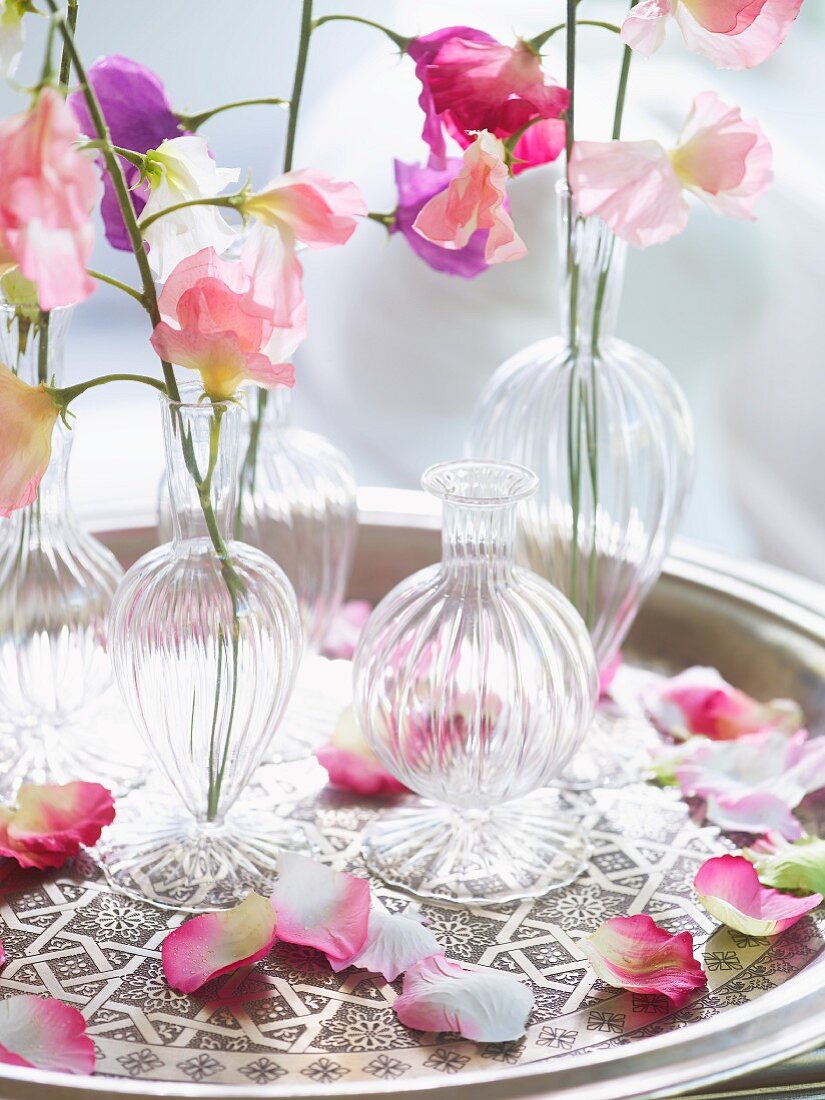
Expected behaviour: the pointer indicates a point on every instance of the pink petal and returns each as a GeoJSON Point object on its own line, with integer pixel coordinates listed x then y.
{"type": "Point", "coordinates": [725, 16]}
{"type": "Point", "coordinates": [608, 674]}
{"type": "Point", "coordinates": [310, 206]}
{"type": "Point", "coordinates": [645, 26]}
{"type": "Point", "coordinates": [485, 1005]}
{"type": "Point", "coordinates": [42, 1033]}
{"type": "Point", "coordinates": [217, 943]}
{"type": "Point", "coordinates": [352, 765]}
{"type": "Point", "coordinates": [749, 43]}
{"type": "Point", "coordinates": [632, 187]}
{"type": "Point", "coordinates": [51, 822]}
{"type": "Point", "coordinates": [28, 415]}
{"type": "Point", "coordinates": [541, 144]}
{"type": "Point", "coordinates": [635, 953]}
{"type": "Point", "coordinates": [345, 629]}
{"type": "Point", "coordinates": [755, 812]}
{"type": "Point", "coordinates": [394, 943]}
{"type": "Point", "coordinates": [730, 890]}
{"type": "Point", "coordinates": [321, 908]}
{"type": "Point", "coordinates": [2, 954]}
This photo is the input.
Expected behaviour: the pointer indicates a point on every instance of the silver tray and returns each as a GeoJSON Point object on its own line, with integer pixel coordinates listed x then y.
{"type": "Point", "coordinates": [289, 1027]}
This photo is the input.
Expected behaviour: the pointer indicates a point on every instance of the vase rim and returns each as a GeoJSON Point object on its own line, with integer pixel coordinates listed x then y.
{"type": "Point", "coordinates": [193, 396]}
{"type": "Point", "coordinates": [479, 482]}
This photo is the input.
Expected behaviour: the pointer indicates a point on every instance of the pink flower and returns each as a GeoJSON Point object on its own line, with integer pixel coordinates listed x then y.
{"type": "Point", "coordinates": [352, 765]}
{"type": "Point", "coordinates": [345, 630]}
{"type": "Point", "coordinates": [472, 82]}
{"type": "Point", "coordinates": [608, 674]}
{"type": "Point", "coordinates": [42, 1033]}
{"type": "Point", "coordinates": [730, 890]}
{"type": "Point", "coordinates": [486, 1005]}
{"type": "Point", "coordinates": [394, 943]}
{"type": "Point", "coordinates": [217, 943]}
{"type": "Point", "coordinates": [734, 34]}
{"type": "Point", "coordinates": [321, 908]}
{"type": "Point", "coordinates": [50, 823]}
{"type": "Point", "coordinates": [28, 415]}
{"type": "Point", "coordinates": [637, 187]}
{"type": "Point", "coordinates": [699, 701]}
{"type": "Point", "coordinates": [635, 953]}
{"type": "Point", "coordinates": [308, 206]}
{"type": "Point", "coordinates": [475, 200]}
{"type": "Point", "coordinates": [226, 320]}
{"type": "Point", "coordinates": [48, 190]}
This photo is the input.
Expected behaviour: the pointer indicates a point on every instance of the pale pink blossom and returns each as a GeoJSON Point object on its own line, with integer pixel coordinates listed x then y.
{"type": "Point", "coordinates": [733, 34]}
{"type": "Point", "coordinates": [217, 943]}
{"type": "Point", "coordinates": [486, 1005]}
{"type": "Point", "coordinates": [352, 765]}
{"type": "Point", "coordinates": [319, 907]}
{"type": "Point", "coordinates": [634, 953]}
{"type": "Point", "coordinates": [394, 943]}
{"type": "Point", "coordinates": [42, 1033]}
{"type": "Point", "coordinates": [28, 415]}
{"type": "Point", "coordinates": [48, 189]}
{"type": "Point", "coordinates": [730, 890]}
{"type": "Point", "coordinates": [308, 206]}
{"type": "Point", "coordinates": [49, 823]}
{"type": "Point", "coordinates": [475, 200]}
{"type": "Point", "coordinates": [637, 187]}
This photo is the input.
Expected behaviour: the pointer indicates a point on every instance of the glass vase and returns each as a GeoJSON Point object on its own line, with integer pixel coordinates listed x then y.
{"type": "Point", "coordinates": [474, 684]}
{"type": "Point", "coordinates": [56, 585]}
{"type": "Point", "coordinates": [610, 436]}
{"type": "Point", "coordinates": [205, 639]}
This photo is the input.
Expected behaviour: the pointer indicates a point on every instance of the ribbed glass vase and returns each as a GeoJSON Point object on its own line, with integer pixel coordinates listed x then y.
{"type": "Point", "coordinates": [610, 436]}
{"type": "Point", "coordinates": [206, 640]}
{"type": "Point", "coordinates": [474, 684]}
{"type": "Point", "coordinates": [56, 584]}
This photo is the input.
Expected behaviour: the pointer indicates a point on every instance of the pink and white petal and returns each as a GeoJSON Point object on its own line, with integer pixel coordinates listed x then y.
{"type": "Point", "coordinates": [645, 26]}
{"type": "Point", "coordinates": [2, 954]}
{"type": "Point", "coordinates": [394, 944]}
{"type": "Point", "coordinates": [730, 890]}
{"type": "Point", "coordinates": [217, 943]}
{"type": "Point", "coordinates": [59, 818]}
{"type": "Point", "coordinates": [485, 1005]}
{"type": "Point", "coordinates": [608, 674]}
{"type": "Point", "coordinates": [352, 765]}
{"type": "Point", "coordinates": [345, 630]}
{"type": "Point", "coordinates": [43, 1033]}
{"type": "Point", "coordinates": [634, 953]}
{"type": "Point", "coordinates": [319, 907]}
{"type": "Point", "coordinates": [725, 16]}
{"type": "Point", "coordinates": [743, 49]}
{"type": "Point", "coordinates": [755, 812]}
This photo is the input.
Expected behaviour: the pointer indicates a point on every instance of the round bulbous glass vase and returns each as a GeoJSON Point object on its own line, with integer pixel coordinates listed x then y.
{"type": "Point", "coordinates": [610, 436]}
{"type": "Point", "coordinates": [474, 684]}
{"type": "Point", "coordinates": [206, 640]}
{"type": "Point", "coordinates": [56, 585]}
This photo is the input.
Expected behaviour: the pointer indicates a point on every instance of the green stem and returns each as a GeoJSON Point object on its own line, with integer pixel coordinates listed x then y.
{"type": "Point", "coordinates": [66, 394]}
{"type": "Point", "coordinates": [102, 277]}
{"type": "Point", "coordinates": [627, 57]}
{"type": "Point", "coordinates": [194, 122]}
{"type": "Point", "coordinates": [536, 43]}
{"type": "Point", "coordinates": [43, 347]}
{"type": "Point", "coordinates": [231, 201]}
{"type": "Point", "coordinates": [65, 59]}
{"type": "Point", "coordinates": [387, 220]}
{"type": "Point", "coordinates": [400, 40]}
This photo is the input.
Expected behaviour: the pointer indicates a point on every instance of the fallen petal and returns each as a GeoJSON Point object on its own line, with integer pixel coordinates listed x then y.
{"type": "Point", "coordinates": [345, 630]}
{"type": "Point", "coordinates": [394, 943]}
{"type": "Point", "coordinates": [51, 822]}
{"type": "Point", "coordinates": [42, 1033]}
{"type": "Point", "coordinates": [755, 812]}
{"type": "Point", "coordinates": [485, 1005]}
{"type": "Point", "coordinates": [635, 953]}
{"type": "Point", "coordinates": [2, 955]}
{"type": "Point", "coordinates": [730, 890]}
{"type": "Point", "coordinates": [799, 866]}
{"type": "Point", "coordinates": [321, 908]}
{"type": "Point", "coordinates": [217, 943]}
{"type": "Point", "coordinates": [352, 765]}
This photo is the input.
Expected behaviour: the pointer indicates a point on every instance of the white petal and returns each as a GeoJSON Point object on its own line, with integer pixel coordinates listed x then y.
{"type": "Point", "coordinates": [394, 943]}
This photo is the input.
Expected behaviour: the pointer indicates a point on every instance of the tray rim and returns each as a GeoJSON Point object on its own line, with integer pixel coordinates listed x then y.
{"type": "Point", "coordinates": [747, 1037]}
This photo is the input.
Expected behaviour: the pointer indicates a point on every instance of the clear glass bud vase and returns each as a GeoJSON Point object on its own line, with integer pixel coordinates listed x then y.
{"type": "Point", "coordinates": [56, 584]}
{"type": "Point", "coordinates": [206, 639]}
{"type": "Point", "coordinates": [475, 682]}
{"type": "Point", "coordinates": [610, 436]}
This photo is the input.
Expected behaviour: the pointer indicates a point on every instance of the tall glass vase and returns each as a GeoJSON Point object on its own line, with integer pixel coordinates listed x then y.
{"type": "Point", "coordinates": [206, 639]}
{"type": "Point", "coordinates": [56, 584]}
{"type": "Point", "coordinates": [610, 435]}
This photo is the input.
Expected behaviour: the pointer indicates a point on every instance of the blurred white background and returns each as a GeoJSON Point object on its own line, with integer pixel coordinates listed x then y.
{"type": "Point", "coordinates": [397, 353]}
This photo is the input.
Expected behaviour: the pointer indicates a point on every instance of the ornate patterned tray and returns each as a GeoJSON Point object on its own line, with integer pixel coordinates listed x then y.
{"type": "Point", "coordinates": [290, 1027]}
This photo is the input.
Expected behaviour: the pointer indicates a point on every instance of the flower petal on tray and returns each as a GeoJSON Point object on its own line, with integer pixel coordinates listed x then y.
{"type": "Point", "coordinates": [394, 943]}
{"type": "Point", "coordinates": [485, 1005]}
{"type": "Point", "coordinates": [352, 765]}
{"type": "Point", "coordinates": [608, 674]}
{"type": "Point", "coordinates": [2, 955]}
{"type": "Point", "coordinates": [635, 953]}
{"type": "Point", "coordinates": [755, 812]}
{"type": "Point", "coordinates": [42, 1033]}
{"type": "Point", "coordinates": [51, 822]}
{"type": "Point", "coordinates": [321, 908]}
{"type": "Point", "coordinates": [216, 943]}
{"type": "Point", "coordinates": [799, 866]}
{"type": "Point", "coordinates": [345, 630]}
{"type": "Point", "coordinates": [730, 890]}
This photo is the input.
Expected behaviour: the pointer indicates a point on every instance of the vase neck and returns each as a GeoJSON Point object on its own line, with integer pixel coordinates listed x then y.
{"type": "Point", "coordinates": [201, 442]}
{"type": "Point", "coordinates": [32, 345]}
{"type": "Point", "coordinates": [591, 262]}
{"type": "Point", "coordinates": [479, 539]}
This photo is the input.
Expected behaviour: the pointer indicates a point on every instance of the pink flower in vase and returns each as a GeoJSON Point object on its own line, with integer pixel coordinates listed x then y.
{"type": "Point", "coordinates": [637, 187]}
{"type": "Point", "coordinates": [733, 34]}
{"type": "Point", "coordinates": [308, 206]}
{"type": "Point", "coordinates": [28, 415]}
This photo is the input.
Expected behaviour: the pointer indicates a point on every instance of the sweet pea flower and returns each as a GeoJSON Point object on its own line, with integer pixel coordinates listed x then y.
{"type": "Point", "coordinates": [181, 169]}
{"type": "Point", "coordinates": [48, 189]}
{"type": "Point", "coordinates": [474, 200]}
{"type": "Point", "coordinates": [43, 1033]}
{"type": "Point", "coordinates": [637, 187]}
{"type": "Point", "coordinates": [799, 866]}
{"type": "Point", "coordinates": [139, 117]}
{"type": "Point", "coordinates": [733, 34]}
{"type": "Point", "coordinates": [11, 35]}
{"type": "Point", "coordinates": [472, 82]}
{"type": "Point", "coordinates": [352, 765]}
{"type": "Point", "coordinates": [50, 822]}
{"type": "Point", "coordinates": [730, 890]}
{"type": "Point", "coordinates": [28, 415]}
{"type": "Point", "coordinates": [308, 206]}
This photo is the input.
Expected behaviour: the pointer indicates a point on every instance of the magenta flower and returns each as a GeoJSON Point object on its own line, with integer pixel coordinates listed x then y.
{"type": "Point", "coordinates": [139, 117]}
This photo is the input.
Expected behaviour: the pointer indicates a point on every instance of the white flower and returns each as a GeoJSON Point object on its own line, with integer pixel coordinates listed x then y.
{"type": "Point", "coordinates": [11, 35]}
{"type": "Point", "coordinates": [179, 170]}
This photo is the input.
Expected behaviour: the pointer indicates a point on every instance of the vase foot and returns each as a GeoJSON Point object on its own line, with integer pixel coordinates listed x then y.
{"type": "Point", "coordinates": [616, 752]}
{"type": "Point", "coordinates": [157, 852]}
{"type": "Point", "coordinates": [522, 849]}
{"type": "Point", "coordinates": [322, 689]}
